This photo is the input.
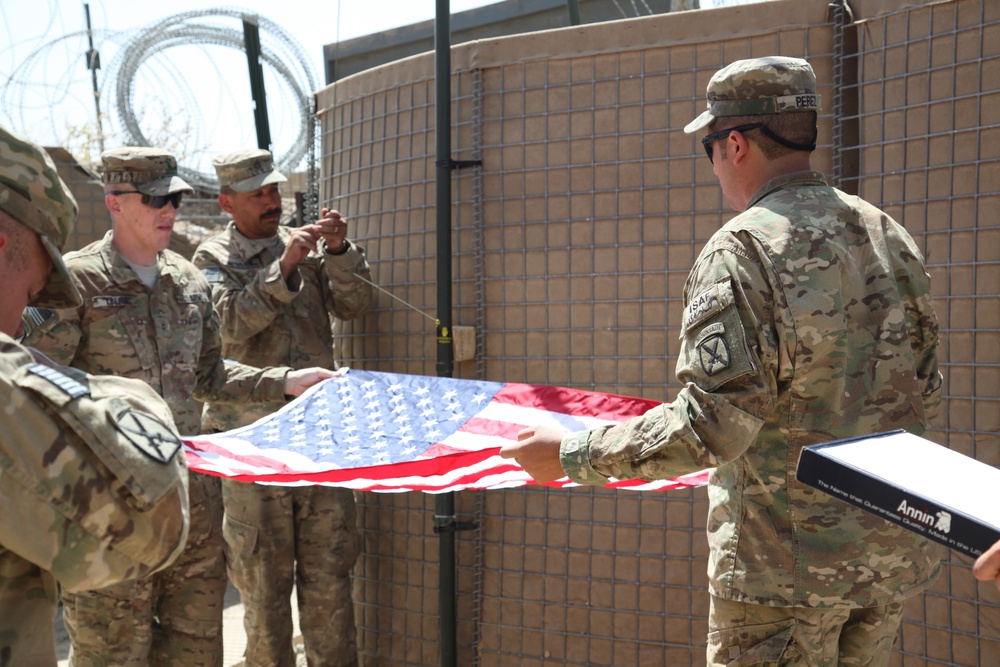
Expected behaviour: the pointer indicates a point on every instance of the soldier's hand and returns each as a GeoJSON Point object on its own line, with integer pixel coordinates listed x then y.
{"type": "Point", "coordinates": [302, 242]}
{"type": "Point", "coordinates": [298, 381]}
{"type": "Point", "coordinates": [987, 566]}
{"type": "Point", "coordinates": [537, 451]}
{"type": "Point", "coordinates": [332, 228]}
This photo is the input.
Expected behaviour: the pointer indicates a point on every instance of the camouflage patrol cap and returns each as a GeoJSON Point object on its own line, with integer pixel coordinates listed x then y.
{"type": "Point", "coordinates": [32, 193]}
{"type": "Point", "coordinates": [759, 86]}
{"type": "Point", "coordinates": [151, 171]}
{"type": "Point", "coordinates": [247, 170]}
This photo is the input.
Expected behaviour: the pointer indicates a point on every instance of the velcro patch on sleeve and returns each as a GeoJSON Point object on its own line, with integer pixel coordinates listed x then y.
{"type": "Point", "coordinates": [714, 347]}
{"type": "Point", "coordinates": [146, 433]}
{"type": "Point", "coordinates": [213, 274]}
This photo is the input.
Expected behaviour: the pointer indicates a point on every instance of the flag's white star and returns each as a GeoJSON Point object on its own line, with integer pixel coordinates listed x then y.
{"type": "Point", "coordinates": [424, 402]}
{"type": "Point", "coordinates": [396, 387]}
{"type": "Point", "coordinates": [368, 385]}
{"type": "Point", "coordinates": [454, 405]}
{"type": "Point", "coordinates": [433, 435]}
{"type": "Point", "coordinates": [421, 391]}
{"type": "Point", "coordinates": [430, 423]}
{"type": "Point", "coordinates": [450, 394]}
{"type": "Point", "coordinates": [479, 398]}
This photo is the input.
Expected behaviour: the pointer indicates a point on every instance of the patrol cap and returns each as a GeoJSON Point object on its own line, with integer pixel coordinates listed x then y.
{"type": "Point", "coordinates": [247, 170]}
{"type": "Point", "coordinates": [759, 86]}
{"type": "Point", "coordinates": [151, 171]}
{"type": "Point", "coordinates": [32, 193]}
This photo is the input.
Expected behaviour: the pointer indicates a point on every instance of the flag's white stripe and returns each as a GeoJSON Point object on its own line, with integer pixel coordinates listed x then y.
{"type": "Point", "coordinates": [518, 414]}
{"type": "Point", "coordinates": [473, 442]}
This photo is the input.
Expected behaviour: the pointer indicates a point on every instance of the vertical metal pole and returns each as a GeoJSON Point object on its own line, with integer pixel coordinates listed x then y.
{"type": "Point", "coordinates": [444, 514]}
{"type": "Point", "coordinates": [574, 11]}
{"type": "Point", "coordinates": [251, 39]}
{"type": "Point", "coordinates": [94, 64]}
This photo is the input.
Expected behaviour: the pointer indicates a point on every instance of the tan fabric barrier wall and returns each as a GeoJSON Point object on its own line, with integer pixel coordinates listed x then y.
{"type": "Point", "coordinates": [571, 246]}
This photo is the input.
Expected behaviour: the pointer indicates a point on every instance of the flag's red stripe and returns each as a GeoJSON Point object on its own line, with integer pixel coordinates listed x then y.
{"type": "Point", "coordinates": [436, 466]}
{"type": "Point", "coordinates": [574, 402]}
{"type": "Point", "coordinates": [257, 460]}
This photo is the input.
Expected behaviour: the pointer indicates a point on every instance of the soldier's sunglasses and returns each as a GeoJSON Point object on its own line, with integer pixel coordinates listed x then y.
{"type": "Point", "coordinates": [155, 201]}
{"type": "Point", "coordinates": [722, 134]}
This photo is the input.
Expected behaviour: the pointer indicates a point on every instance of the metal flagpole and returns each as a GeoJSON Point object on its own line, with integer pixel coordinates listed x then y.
{"type": "Point", "coordinates": [444, 511]}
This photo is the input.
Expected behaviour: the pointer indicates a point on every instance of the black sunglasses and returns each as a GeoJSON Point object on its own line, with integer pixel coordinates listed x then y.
{"type": "Point", "coordinates": [155, 201]}
{"type": "Point", "coordinates": [722, 134]}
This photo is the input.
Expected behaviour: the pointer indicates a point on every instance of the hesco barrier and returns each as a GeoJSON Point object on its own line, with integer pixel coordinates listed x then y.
{"type": "Point", "coordinates": [571, 245]}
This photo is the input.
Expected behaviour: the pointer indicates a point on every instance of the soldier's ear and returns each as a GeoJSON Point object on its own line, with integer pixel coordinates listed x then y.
{"type": "Point", "coordinates": [226, 202]}
{"type": "Point", "coordinates": [113, 203]}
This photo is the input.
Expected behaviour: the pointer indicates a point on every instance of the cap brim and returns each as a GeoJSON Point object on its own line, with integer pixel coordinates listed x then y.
{"type": "Point", "coordinates": [60, 291]}
{"type": "Point", "coordinates": [258, 181]}
{"type": "Point", "coordinates": [702, 121]}
{"type": "Point", "coordinates": [164, 186]}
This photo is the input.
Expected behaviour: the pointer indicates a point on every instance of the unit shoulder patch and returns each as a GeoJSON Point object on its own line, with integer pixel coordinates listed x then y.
{"type": "Point", "coordinates": [147, 433]}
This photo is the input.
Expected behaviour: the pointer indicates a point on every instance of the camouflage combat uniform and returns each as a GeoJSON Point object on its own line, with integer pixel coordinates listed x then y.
{"type": "Point", "coordinates": [92, 486]}
{"type": "Point", "coordinates": [167, 336]}
{"type": "Point", "coordinates": [108, 508]}
{"type": "Point", "coordinates": [807, 318]}
{"type": "Point", "coordinates": [278, 537]}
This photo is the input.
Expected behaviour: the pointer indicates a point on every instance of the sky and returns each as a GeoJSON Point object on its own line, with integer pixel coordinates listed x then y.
{"type": "Point", "coordinates": [192, 98]}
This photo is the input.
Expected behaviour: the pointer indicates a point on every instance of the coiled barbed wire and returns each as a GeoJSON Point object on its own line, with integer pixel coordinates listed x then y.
{"type": "Point", "coordinates": [279, 50]}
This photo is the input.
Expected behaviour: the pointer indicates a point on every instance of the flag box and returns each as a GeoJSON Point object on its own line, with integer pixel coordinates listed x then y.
{"type": "Point", "coordinates": [935, 492]}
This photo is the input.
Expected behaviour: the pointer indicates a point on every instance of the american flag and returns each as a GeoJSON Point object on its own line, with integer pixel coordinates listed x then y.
{"type": "Point", "coordinates": [374, 431]}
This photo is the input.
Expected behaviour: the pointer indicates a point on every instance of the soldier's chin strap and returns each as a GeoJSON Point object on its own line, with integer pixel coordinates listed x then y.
{"type": "Point", "coordinates": [771, 134]}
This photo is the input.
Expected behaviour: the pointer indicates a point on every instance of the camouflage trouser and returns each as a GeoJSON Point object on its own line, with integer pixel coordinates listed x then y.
{"type": "Point", "coordinates": [742, 635]}
{"type": "Point", "coordinates": [171, 619]}
{"type": "Point", "coordinates": [27, 611]}
{"type": "Point", "coordinates": [305, 536]}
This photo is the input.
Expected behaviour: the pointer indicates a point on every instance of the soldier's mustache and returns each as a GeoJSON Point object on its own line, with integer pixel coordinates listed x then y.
{"type": "Point", "coordinates": [270, 214]}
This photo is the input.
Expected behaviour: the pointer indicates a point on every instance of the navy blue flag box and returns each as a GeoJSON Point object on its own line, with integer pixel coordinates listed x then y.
{"type": "Point", "coordinates": [939, 493]}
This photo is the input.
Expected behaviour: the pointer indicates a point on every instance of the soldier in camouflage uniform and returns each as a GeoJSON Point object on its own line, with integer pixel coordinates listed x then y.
{"type": "Point", "coordinates": [92, 486]}
{"type": "Point", "coordinates": [147, 314]}
{"type": "Point", "coordinates": [275, 289]}
{"type": "Point", "coordinates": [807, 318]}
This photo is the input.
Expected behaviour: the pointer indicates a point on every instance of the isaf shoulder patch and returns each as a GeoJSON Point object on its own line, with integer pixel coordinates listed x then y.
{"type": "Point", "coordinates": [714, 344]}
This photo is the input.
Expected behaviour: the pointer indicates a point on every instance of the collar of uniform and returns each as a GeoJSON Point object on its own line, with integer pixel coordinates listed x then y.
{"type": "Point", "coordinates": [246, 249]}
{"type": "Point", "coordinates": [122, 273]}
{"type": "Point", "coordinates": [785, 180]}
